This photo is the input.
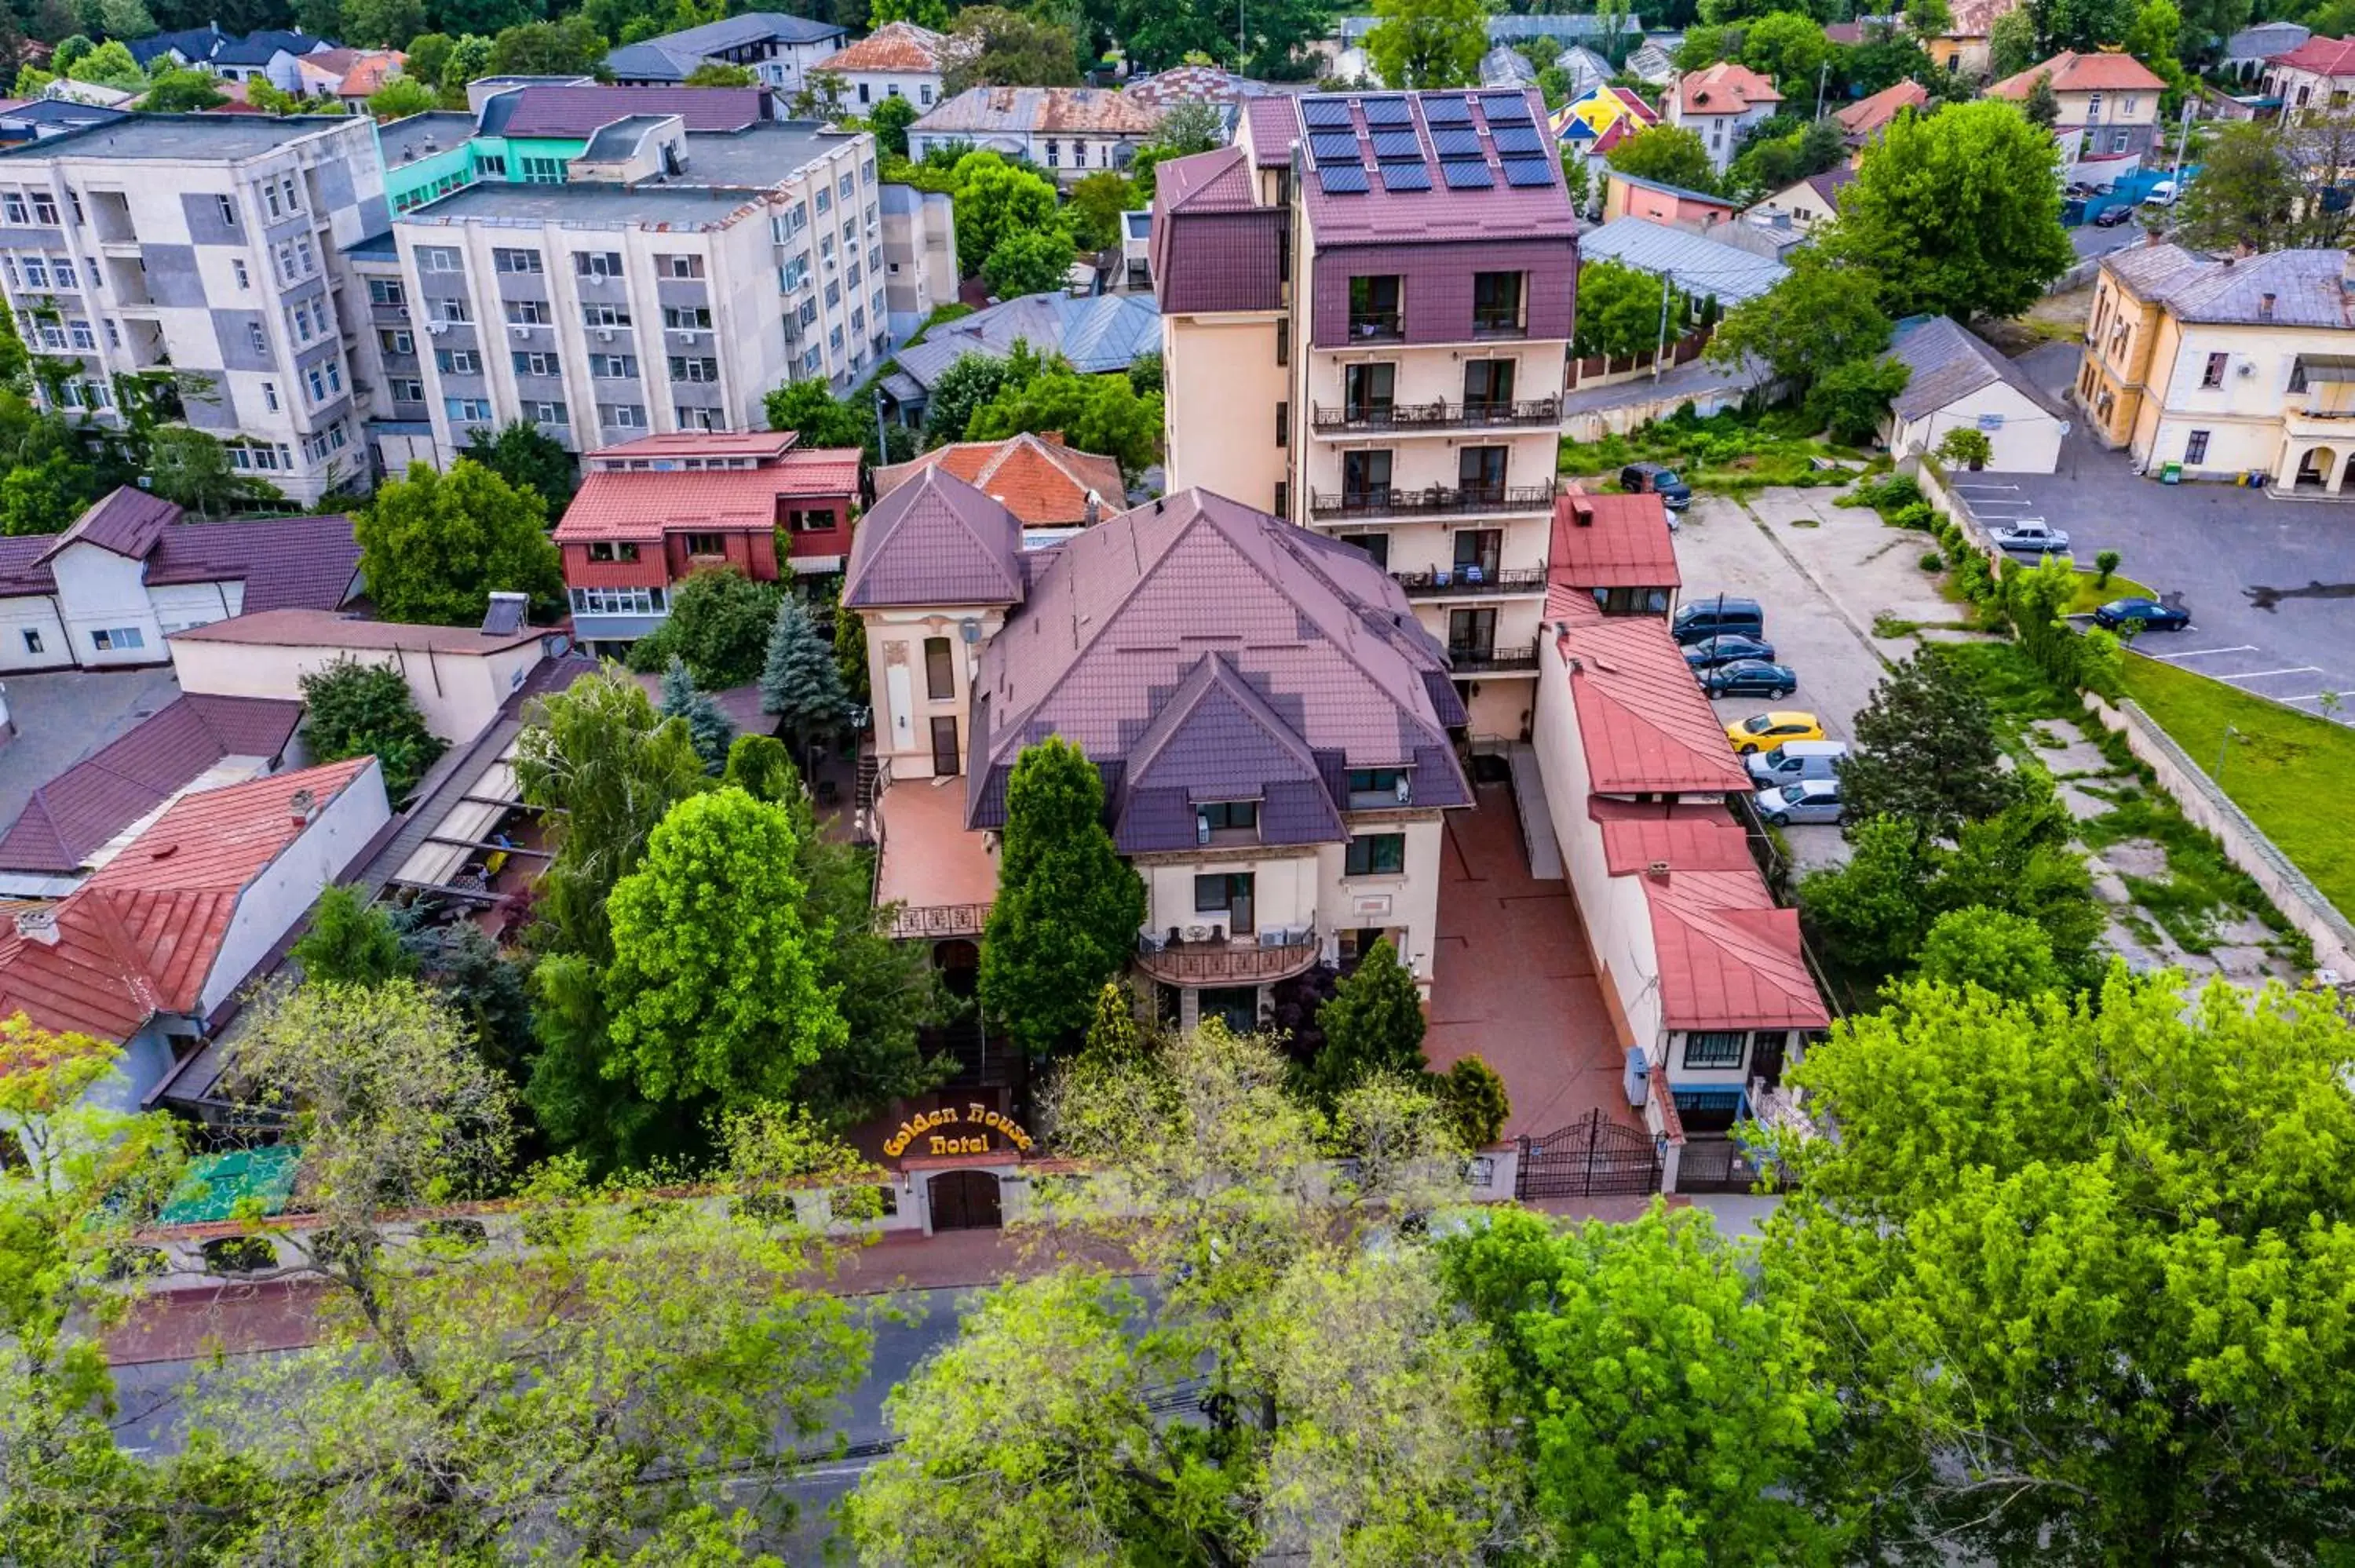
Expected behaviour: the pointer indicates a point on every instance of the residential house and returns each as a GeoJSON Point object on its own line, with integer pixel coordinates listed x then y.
{"type": "Point", "coordinates": [1803, 204]}
{"type": "Point", "coordinates": [207, 250]}
{"type": "Point", "coordinates": [1721, 105]}
{"type": "Point", "coordinates": [1506, 67]}
{"type": "Point", "coordinates": [668, 283]}
{"type": "Point", "coordinates": [2218, 368]}
{"type": "Point", "coordinates": [36, 120]}
{"type": "Point", "coordinates": [85, 816]}
{"type": "Point", "coordinates": [1583, 71]}
{"type": "Point", "coordinates": [898, 60]}
{"type": "Point", "coordinates": [2111, 99]}
{"type": "Point", "coordinates": [154, 951]}
{"type": "Point", "coordinates": [1960, 381]}
{"type": "Point", "coordinates": [1652, 65]}
{"type": "Point", "coordinates": [1098, 334]}
{"type": "Point", "coordinates": [1867, 118]}
{"type": "Point", "coordinates": [347, 76]}
{"type": "Point", "coordinates": [1704, 979]}
{"type": "Point", "coordinates": [1617, 548]}
{"type": "Point", "coordinates": [1044, 483]}
{"type": "Point", "coordinates": [132, 569]}
{"type": "Point", "coordinates": [457, 675]}
{"type": "Point", "coordinates": [2315, 76]}
{"type": "Point", "coordinates": [270, 54]}
{"type": "Point", "coordinates": [1702, 267]}
{"type": "Point", "coordinates": [1374, 346]}
{"type": "Point", "coordinates": [779, 51]}
{"type": "Point", "coordinates": [1277, 753]}
{"type": "Point", "coordinates": [1595, 121]}
{"type": "Point", "coordinates": [1629, 195]}
{"type": "Point", "coordinates": [1069, 133]}
{"type": "Point", "coordinates": [2248, 52]}
{"type": "Point", "coordinates": [1965, 47]}
{"type": "Point", "coordinates": [651, 511]}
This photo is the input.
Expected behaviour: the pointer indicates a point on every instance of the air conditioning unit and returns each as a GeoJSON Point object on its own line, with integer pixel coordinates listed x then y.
{"type": "Point", "coordinates": [437, 328]}
{"type": "Point", "coordinates": [402, 311]}
{"type": "Point", "coordinates": [604, 334]}
{"type": "Point", "coordinates": [521, 329]}
{"type": "Point", "coordinates": [1199, 932]}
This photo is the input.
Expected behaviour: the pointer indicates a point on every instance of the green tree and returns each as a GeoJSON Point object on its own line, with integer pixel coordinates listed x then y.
{"type": "Point", "coordinates": [850, 653]}
{"type": "Point", "coordinates": [1095, 414]}
{"type": "Point", "coordinates": [1820, 316]}
{"type": "Point", "coordinates": [821, 96]}
{"type": "Point", "coordinates": [1034, 261]}
{"type": "Point", "coordinates": [174, 92]}
{"type": "Point", "coordinates": [1929, 19]}
{"type": "Point", "coordinates": [110, 65]}
{"type": "Point", "coordinates": [1668, 154]}
{"type": "Point", "coordinates": [126, 19]}
{"type": "Point", "coordinates": [352, 709]}
{"type": "Point", "coordinates": [1146, 372]}
{"type": "Point", "coordinates": [707, 728]}
{"type": "Point", "coordinates": [1666, 1400]}
{"type": "Point", "coordinates": [1373, 1025]}
{"type": "Point", "coordinates": [993, 47]}
{"type": "Point", "coordinates": [400, 97]}
{"type": "Point", "coordinates": [351, 941]}
{"type": "Point", "coordinates": [470, 57]}
{"type": "Point", "coordinates": [190, 469]}
{"type": "Point", "coordinates": [719, 623]}
{"type": "Point", "coordinates": [1925, 751]}
{"type": "Point", "coordinates": [800, 682]}
{"type": "Point", "coordinates": [1706, 44]}
{"type": "Point", "coordinates": [2079, 1271]}
{"type": "Point", "coordinates": [1958, 214]}
{"type": "Point", "coordinates": [1851, 400]}
{"type": "Point", "coordinates": [44, 497]}
{"type": "Point", "coordinates": [381, 23]}
{"type": "Point", "coordinates": [569, 47]}
{"type": "Point", "coordinates": [1094, 212]}
{"type": "Point", "coordinates": [2009, 955]}
{"type": "Point", "coordinates": [970, 381]}
{"type": "Point", "coordinates": [2011, 43]}
{"type": "Point", "coordinates": [997, 200]}
{"type": "Point", "coordinates": [2255, 186]}
{"type": "Point", "coordinates": [889, 121]}
{"type": "Point", "coordinates": [714, 990]}
{"type": "Point", "coordinates": [436, 546]}
{"type": "Point", "coordinates": [2042, 105]}
{"type": "Point", "coordinates": [1964, 446]}
{"type": "Point", "coordinates": [761, 766]}
{"type": "Point", "coordinates": [1619, 311]}
{"type": "Point", "coordinates": [524, 457]}
{"type": "Point", "coordinates": [1428, 43]}
{"type": "Point", "coordinates": [1475, 1099]}
{"type": "Point", "coordinates": [821, 418]}
{"type": "Point", "coordinates": [1068, 907]}
{"type": "Point", "coordinates": [429, 57]}
{"type": "Point", "coordinates": [1788, 46]}
{"type": "Point", "coordinates": [714, 73]}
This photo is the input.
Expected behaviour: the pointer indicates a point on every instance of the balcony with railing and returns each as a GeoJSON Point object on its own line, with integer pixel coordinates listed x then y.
{"type": "Point", "coordinates": [1488, 660]}
{"type": "Point", "coordinates": [1497, 414]}
{"type": "Point", "coordinates": [1470, 582]}
{"type": "Point", "coordinates": [1376, 326]}
{"type": "Point", "coordinates": [1437, 500]}
{"type": "Point", "coordinates": [1272, 955]}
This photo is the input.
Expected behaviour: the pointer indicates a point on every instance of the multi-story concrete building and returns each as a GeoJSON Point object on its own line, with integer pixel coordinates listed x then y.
{"type": "Point", "coordinates": [668, 283]}
{"type": "Point", "coordinates": [1366, 316]}
{"type": "Point", "coordinates": [2110, 100]}
{"type": "Point", "coordinates": [920, 264]}
{"type": "Point", "coordinates": [197, 261]}
{"type": "Point", "coordinates": [2224, 367]}
{"type": "Point", "coordinates": [1276, 752]}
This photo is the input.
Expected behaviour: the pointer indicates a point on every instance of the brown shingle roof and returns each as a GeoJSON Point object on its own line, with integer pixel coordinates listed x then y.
{"type": "Point", "coordinates": [1213, 247]}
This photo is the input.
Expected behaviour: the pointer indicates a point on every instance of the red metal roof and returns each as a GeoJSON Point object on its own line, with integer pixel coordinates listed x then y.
{"type": "Point", "coordinates": [1728, 958]}
{"type": "Point", "coordinates": [2324, 56]}
{"type": "Point", "coordinates": [1644, 725]}
{"type": "Point", "coordinates": [1612, 541]}
{"type": "Point", "coordinates": [644, 505]}
{"type": "Point", "coordinates": [1867, 115]}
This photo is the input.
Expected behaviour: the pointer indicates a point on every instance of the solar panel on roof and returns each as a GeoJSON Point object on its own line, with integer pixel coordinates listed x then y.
{"type": "Point", "coordinates": [1333, 147]}
{"type": "Point", "coordinates": [1406, 176]}
{"type": "Point", "coordinates": [1386, 111]}
{"type": "Point", "coordinates": [1517, 140]}
{"type": "Point", "coordinates": [1527, 172]}
{"type": "Point", "coordinates": [1343, 179]}
{"type": "Point", "coordinates": [1468, 177]}
{"type": "Point", "coordinates": [1326, 114]}
{"type": "Point", "coordinates": [1446, 111]}
{"type": "Point", "coordinates": [1457, 144]}
{"type": "Point", "coordinates": [1504, 107]}
{"type": "Point", "coordinates": [1396, 146]}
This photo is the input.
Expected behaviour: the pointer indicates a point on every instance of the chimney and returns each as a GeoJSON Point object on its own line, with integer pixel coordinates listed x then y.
{"type": "Point", "coordinates": [1657, 870]}
{"type": "Point", "coordinates": [1095, 508]}
{"type": "Point", "coordinates": [302, 807]}
{"type": "Point", "coordinates": [1581, 511]}
{"type": "Point", "coordinates": [39, 925]}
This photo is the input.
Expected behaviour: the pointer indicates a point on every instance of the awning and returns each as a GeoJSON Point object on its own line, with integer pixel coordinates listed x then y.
{"type": "Point", "coordinates": [489, 797]}
{"type": "Point", "coordinates": [2326, 367]}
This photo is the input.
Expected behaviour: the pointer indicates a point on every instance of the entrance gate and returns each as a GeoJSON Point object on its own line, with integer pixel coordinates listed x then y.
{"type": "Point", "coordinates": [965, 1201]}
{"type": "Point", "coordinates": [1591, 1156]}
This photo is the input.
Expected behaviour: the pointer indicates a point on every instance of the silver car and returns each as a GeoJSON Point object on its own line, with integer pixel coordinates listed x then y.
{"type": "Point", "coordinates": [1808, 800]}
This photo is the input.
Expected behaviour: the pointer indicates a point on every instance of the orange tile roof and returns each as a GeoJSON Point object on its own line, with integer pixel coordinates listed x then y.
{"type": "Point", "coordinates": [142, 935]}
{"type": "Point", "coordinates": [1867, 115]}
{"type": "Point", "coordinates": [1037, 478]}
{"type": "Point", "coordinates": [2324, 56]}
{"type": "Point", "coordinates": [644, 505]}
{"type": "Point", "coordinates": [1725, 87]}
{"type": "Point", "coordinates": [893, 46]}
{"type": "Point", "coordinates": [2073, 72]}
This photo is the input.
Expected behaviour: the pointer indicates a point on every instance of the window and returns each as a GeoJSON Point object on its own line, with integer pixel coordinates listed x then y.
{"type": "Point", "coordinates": [381, 291]}
{"type": "Point", "coordinates": [227, 205]}
{"type": "Point", "coordinates": [2196, 448]}
{"type": "Point", "coordinates": [1387, 782]}
{"type": "Point", "coordinates": [45, 209]}
{"type": "Point", "coordinates": [1284, 343]}
{"type": "Point", "coordinates": [408, 389]}
{"type": "Point", "coordinates": [1375, 854]}
{"type": "Point", "coordinates": [1224, 893]}
{"type": "Point", "coordinates": [544, 411]}
{"type": "Point", "coordinates": [32, 640]}
{"type": "Point", "coordinates": [2214, 375]}
{"type": "Point", "coordinates": [622, 415]}
{"type": "Point", "coordinates": [2094, 109]}
{"type": "Point", "coordinates": [458, 311]}
{"type": "Point", "coordinates": [614, 366]}
{"type": "Point", "coordinates": [1377, 546]}
{"type": "Point", "coordinates": [326, 380]}
{"type": "Point", "coordinates": [528, 312]}
{"type": "Point", "coordinates": [505, 260]}
{"type": "Point", "coordinates": [683, 369]}
{"type": "Point", "coordinates": [1079, 154]}
{"type": "Point", "coordinates": [457, 362]}
{"type": "Point", "coordinates": [245, 279]}
{"type": "Point", "coordinates": [1714, 1048]}
{"type": "Point", "coordinates": [865, 96]}
{"type": "Point", "coordinates": [1374, 307]}
{"type": "Point", "coordinates": [618, 601]}
{"type": "Point", "coordinates": [1367, 391]}
{"type": "Point", "coordinates": [36, 272]}
{"type": "Point", "coordinates": [79, 333]}
{"type": "Point", "coordinates": [62, 269]}
{"type": "Point", "coordinates": [1283, 424]}
{"type": "Point", "coordinates": [940, 670]}
{"type": "Point", "coordinates": [1477, 553]}
{"type": "Point", "coordinates": [543, 171]}
{"type": "Point", "coordinates": [923, 92]}
{"type": "Point", "coordinates": [287, 189]}
{"type": "Point", "coordinates": [605, 315]}
{"type": "Point", "coordinates": [1054, 155]}
{"type": "Point", "coordinates": [820, 520]}
{"type": "Point", "coordinates": [118, 637]}
{"type": "Point", "coordinates": [537, 365]}
{"type": "Point", "coordinates": [1488, 387]}
{"type": "Point", "coordinates": [1472, 634]}
{"type": "Point", "coordinates": [833, 296]}
{"type": "Point", "coordinates": [493, 163]}
{"type": "Point", "coordinates": [1365, 479]}
{"type": "Point", "coordinates": [707, 543]}
{"type": "Point", "coordinates": [438, 258]}
{"type": "Point", "coordinates": [793, 273]}
{"type": "Point", "coordinates": [597, 263]}
{"type": "Point", "coordinates": [471, 410]}
{"type": "Point", "coordinates": [688, 318]}
{"type": "Point", "coordinates": [398, 340]}
{"type": "Point", "coordinates": [1495, 302]}
{"type": "Point", "coordinates": [824, 199]}
{"type": "Point", "coordinates": [2117, 141]}
{"type": "Point", "coordinates": [678, 266]}
{"type": "Point", "coordinates": [608, 551]}
{"type": "Point", "coordinates": [14, 204]}
{"type": "Point", "coordinates": [270, 395]}
{"type": "Point", "coordinates": [699, 419]}
{"type": "Point", "coordinates": [1480, 473]}
{"type": "Point", "coordinates": [1227, 816]}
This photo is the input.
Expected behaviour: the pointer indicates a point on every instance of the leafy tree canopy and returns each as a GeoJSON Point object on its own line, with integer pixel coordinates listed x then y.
{"type": "Point", "coordinates": [435, 545]}
{"type": "Point", "coordinates": [718, 624]}
{"type": "Point", "coordinates": [1818, 316]}
{"type": "Point", "coordinates": [1668, 154]}
{"type": "Point", "coordinates": [1428, 43]}
{"type": "Point", "coordinates": [1095, 413]}
{"type": "Point", "coordinates": [1033, 261]}
{"type": "Point", "coordinates": [353, 709]}
{"type": "Point", "coordinates": [993, 47]}
{"type": "Point", "coordinates": [527, 457]}
{"type": "Point", "coordinates": [1619, 311]}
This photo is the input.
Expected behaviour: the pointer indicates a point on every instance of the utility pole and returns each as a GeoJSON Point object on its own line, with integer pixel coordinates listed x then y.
{"type": "Point", "coordinates": [882, 439]}
{"type": "Point", "coordinates": [1821, 72]}
{"type": "Point", "coordinates": [2182, 145]}
{"type": "Point", "coordinates": [1667, 288]}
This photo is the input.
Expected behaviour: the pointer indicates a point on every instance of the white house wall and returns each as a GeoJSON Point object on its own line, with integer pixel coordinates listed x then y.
{"type": "Point", "coordinates": [457, 693]}
{"type": "Point", "coordinates": [2026, 439]}
{"type": "Point", "coordinates": [100, 591]}
{"type": "Point", "coordinates": [36, 613]}
{"type": "Point", "coordinates": [289, 886]}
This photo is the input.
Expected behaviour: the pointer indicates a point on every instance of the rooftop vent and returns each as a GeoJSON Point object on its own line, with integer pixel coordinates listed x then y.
{"type": "Point", "coordinates": [303, 806]}
{"type": "Point", "coordinates": [505, 614]}
{"type": "Point", "coordinates": [1582, 512]}
{"type": "Point", "coordinates": [1657, 870]}
{"type": "Point", "coordinates": [38, 925]}
{"type": "Point", "coordinates": [2265, 307]}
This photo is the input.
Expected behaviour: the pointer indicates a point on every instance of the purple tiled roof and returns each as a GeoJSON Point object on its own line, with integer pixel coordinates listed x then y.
{"type": "Point", "coordinates": [935, 540]}
{"type": "Point", "coordinates": [1213, 247]}
{"type": "Point", "coordinates": [125, 521]}
{"type": "Point", "coordinates": [286, 563]}
{"type": "Point", "coordinates": [1275, 126]}
{"type": "Point", "coordinates": [22, 568]}
{"type": "Point", "coordinates": [579, 111]}
{"type": "Point", "coordinates": [78, 811]}
{"type": "Point", "coordinates": [1198, 651]}
{"type": "Point", "coordinates": [1444, 210]}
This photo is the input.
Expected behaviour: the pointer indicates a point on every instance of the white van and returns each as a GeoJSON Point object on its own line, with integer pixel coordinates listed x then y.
{"type": "Point", "coordinates": [1797, 759]}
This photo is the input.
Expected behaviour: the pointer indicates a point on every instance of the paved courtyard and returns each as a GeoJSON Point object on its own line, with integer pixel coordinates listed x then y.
{"type": "Point", "coordinates": [1512, 981]}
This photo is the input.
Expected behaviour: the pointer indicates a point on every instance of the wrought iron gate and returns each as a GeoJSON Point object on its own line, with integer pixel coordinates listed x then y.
{"type": "Point", "coordinates": [1592, 1155]}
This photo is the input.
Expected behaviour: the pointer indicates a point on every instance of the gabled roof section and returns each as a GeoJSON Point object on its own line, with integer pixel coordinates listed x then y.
{"type": "Point", "coordinates": [1612, 541]}
{"type": "Point", "coordinates": [1041, 110]}
{"type": "Point", "coordinates": [2073, 72]}
{"type": "Point", "coordinates": [1646, 727]}
{"type": "Point", "coordinates": [1217, 739]}
{"type": "Point", "coordinates": [935, 540]}
{"type": "Point", "coordinates": [125, 520]}
{"type": "Point", "coordinates": [1728, 958]}
{"type": "Point", "coordinates": [2324, 56]}
{"type": "Point", "coordinates": [901, 47]}
{"type": "Point", "coordinates": [644, 505]}
{"type": "Point", "coordinates": [2146, 269]}
{"type": "Point", "coordinates": [2278, 288]}
{"type": "Point", "coordinates": [1868, 115]}
{"type": "Point", "coordinates": [1725, 87]}
{"type": "Point", "coordinates": [1044, 483]}
{"type": "Point", "coordinates": [1950, 361]}
{"type": "Point", "coordinates": [1216, 181]}
{"type": "Point", "coordinates": [1213, 247]}
{"type": "Point", "coordinates": [286, 563]}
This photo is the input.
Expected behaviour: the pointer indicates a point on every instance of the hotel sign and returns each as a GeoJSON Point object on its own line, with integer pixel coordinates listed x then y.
{"type": "Point", "coordinates": [973, 1115]}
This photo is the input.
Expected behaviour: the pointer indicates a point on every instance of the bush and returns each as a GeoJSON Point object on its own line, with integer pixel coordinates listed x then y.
{"type": "Point", "coordinates": [2106, 562]}
{"type": "Point", "coordinates": [1913, 515]}
{"type": "Point", "coordinates": [1930, 561]}
{"type": "Point", "coordinates": [1887, 496]}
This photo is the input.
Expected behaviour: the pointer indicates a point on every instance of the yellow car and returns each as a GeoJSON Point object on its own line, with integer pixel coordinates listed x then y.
{"type": "Point", "coordinates": [1763, 732]}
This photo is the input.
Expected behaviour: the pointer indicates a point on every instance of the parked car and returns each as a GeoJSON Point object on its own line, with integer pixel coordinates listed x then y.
{"type": "Point", "coordinates": [1711, 652]}
{"type": "Point", "coordinates": [1749, 678]}
{"type": "Point", "coordinates": [2114, 216]}
{"type": "Point", "coordinates": [1656, 479]}
{"type": "Point", "coordinates": [2032, 536]}
{"type": "Point", "coordinates": [2154, 616]}
{"type": "Point", "coordinates": [1700, 617]}
{"type": "Point", "coordinates": [1763, 732]}
{"type": "Point", "coordinates": [1808, 800]}
{"type": "Point", "coordinates": [2161, 194]}
{"type": "Point", "coordinates": [1794, 760]}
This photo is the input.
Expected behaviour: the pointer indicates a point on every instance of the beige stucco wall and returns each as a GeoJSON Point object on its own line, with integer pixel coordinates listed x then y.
{"type": "Point", "coordinates": [1221, 387]}
{"type": "Point", "coordinates": [895, 672]}
{"type": "Point", "coordinates": [458, 694]}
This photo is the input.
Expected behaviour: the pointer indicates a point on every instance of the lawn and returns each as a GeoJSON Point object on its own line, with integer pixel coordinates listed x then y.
{"type": "Point", "coordinates": [2091, 598]}
{"type": "Point", "coordinates": [1728, 453]}
{"type": "Point", "coordinates": [2284, 768]}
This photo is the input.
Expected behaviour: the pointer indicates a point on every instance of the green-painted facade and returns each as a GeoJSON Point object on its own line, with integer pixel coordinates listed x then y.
{"type": "Point", "coordinates": [517, 160]}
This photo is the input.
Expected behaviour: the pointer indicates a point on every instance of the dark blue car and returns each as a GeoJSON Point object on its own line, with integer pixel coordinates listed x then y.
{"type": "Point", "coordinates": [1749, 678]}
{"type": "Point", "coordinates": [1724, 649]}
{"type": "Point", "coordinates": [2154, 616]}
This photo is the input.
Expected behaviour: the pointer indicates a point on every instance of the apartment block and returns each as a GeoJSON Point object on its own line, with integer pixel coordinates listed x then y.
{"type": "Point", "coordinates": [668, 283]}
{"type": "Point", "coordinates": [196, 260]}
{"type": "Point", "coordinates": [1366, 316]}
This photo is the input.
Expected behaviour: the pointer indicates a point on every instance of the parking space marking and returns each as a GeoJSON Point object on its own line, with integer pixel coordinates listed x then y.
{"type": "Point", "coordinates": [2204, 653]}
{"type": "Point", "coordinates": [2286, 670]}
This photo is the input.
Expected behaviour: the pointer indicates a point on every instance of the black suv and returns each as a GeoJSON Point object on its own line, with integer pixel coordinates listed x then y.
{"type": "Point", "coordinates": [1656, 479]}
